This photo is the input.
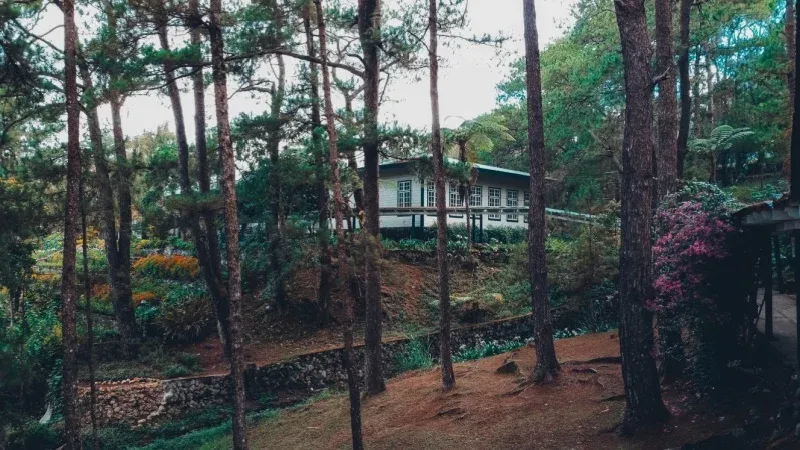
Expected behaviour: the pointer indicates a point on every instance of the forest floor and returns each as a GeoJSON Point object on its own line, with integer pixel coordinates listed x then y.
{"type": "Point", "coordinates": [491, 410]}
{"type": "Point", "coordinates": [273, 337]}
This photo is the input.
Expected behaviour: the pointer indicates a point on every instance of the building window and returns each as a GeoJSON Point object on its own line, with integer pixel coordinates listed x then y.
{"type": "Point", "coordinates": [404, 194]}
{"type": "Point", "coordinates": [455, 198]}
{"type": "Point", "coordinates": [430, 194]}
{"type": "Point", "coordinates": [526, 202]}
{"type": "Point", "coordinates": [494, 201]}
{"type": "Point", "coordinates": [476, 196]}
{"type": "Point", "coordinates": [511, 202]}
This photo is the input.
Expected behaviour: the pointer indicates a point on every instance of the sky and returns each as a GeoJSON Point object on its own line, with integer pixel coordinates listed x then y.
{"type": "Point", "coordinates": [468, 74]}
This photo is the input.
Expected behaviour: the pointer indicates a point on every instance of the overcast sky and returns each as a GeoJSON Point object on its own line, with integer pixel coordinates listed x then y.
{"type": "Point", "coordinates": [468, 74]}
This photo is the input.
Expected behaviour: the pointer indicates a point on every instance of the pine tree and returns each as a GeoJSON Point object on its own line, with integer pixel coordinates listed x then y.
{"type": "Point", "coordinates": [643, 404]}
{"type": "Point", "coordinates": [69, 292]}
{"type": "Point", "coordinates": [546, 362]}
{"type": "Point", "coordinates": [369, 30]}
{"type": "Point", "coordinates": [686, 100]}
{"type": "Point", "coordinates": [339, 206]}
{"type": "Point", "coordinates": [445, 351]}
{"type": "Point", "coordinates": [228, 182]}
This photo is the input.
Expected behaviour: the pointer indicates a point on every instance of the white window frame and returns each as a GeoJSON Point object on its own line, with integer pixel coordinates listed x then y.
{"type": "Point", "coordinates": [430, 194]}
{"type": "Point", "coordinates": [495, 201]}
{"type": "Point", "coordinates": [526, 202]}
{"type": "Point", "coordinates": [404, 197]}
{"type": "Point", "coordinates": [512, 203]}
{"type": "Point", "coordinates": [476, 196]}
{"type": "Point", "coordinates": [454, 197]}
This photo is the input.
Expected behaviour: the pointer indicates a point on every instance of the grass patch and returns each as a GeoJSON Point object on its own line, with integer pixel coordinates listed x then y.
{"type": "Point", "coordinates": [416, 355]}
{"type": "Point", "coordinates": [485, 349]}
{"type": "Point", "coordinates": [216, 434]}
{"type": "Point", "coordinates": [154, 362]}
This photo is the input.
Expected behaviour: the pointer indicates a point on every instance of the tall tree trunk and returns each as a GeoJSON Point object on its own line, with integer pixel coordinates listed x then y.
{"type": "Point", "coordinates": [69, 292]}
{"type": "Point", "coordinates": [666, 104]}
{"type": "Point", "coordinates": [790, 29]}
{"type": "Point", "coordinates": [643, 403]}
{"type": "Point", "coordinates": [685, 86]}
{"type": "Point", "coordinates": [123, 311]}
{"type": "Point", "coordinates": [228, 163]}
{"type": "Point", "coordinates": [339, 206]}
{"type": "Point", "coordinates": [277, 255]}
{"type": "Point", "coordinates": [214, 281]}
{"type": "Point", "coordinates": [445, 350]}
{"type": "Point", "coordinates": [465, 189]}
{"type": "Point", "coordinates": [87, 293]}
{"type": "Point", "coordinates": [696, 81]}
{"type": "Point", "coordinates": [546, 362]}
{"type": "Point", "coordinates": [794, 194]}
{"type": "Point", "coordinates": [712, 122]}
{"type": "Point", "coordinates": [791, 42]}
{"type": "Point", "coordinates": [124, 293]}
{"type": "Point", "coordinates": [369, 30]}
{"type": "Point", "coordinates": [325, 270]}
{"type": "Point", "coordinates": [352, 164]}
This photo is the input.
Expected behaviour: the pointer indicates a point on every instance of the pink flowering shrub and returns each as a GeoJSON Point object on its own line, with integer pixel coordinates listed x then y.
{"type": "Point", "coordinates": [700, 284]}
{"type": "Point", "coordinates": [692, 242]}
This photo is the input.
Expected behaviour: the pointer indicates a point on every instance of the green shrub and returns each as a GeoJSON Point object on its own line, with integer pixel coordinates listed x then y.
{"type": "Point", "coordinates": [33, 435]}
{"type": "Point", "coordinates": [415, 355]}
{"type": "Point", "coordinates": [485, 349]}
{"type": "Point", "coordinates": [176, 371]}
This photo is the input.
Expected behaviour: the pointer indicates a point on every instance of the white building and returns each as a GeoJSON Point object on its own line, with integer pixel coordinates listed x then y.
{"type": "Point", "coordinates": [495, 187]}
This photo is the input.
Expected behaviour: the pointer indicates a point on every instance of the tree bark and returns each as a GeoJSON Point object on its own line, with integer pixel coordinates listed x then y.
{"type": "Point", "coordinates": [547, 366]}
{"type": "Point", "coordinates": [69, 292]}
{"type": "Point", "coordinates": [794, 193]}
{"type": "Point", "coordinates": [277, 255]}
{"type": "Point", "coordinates": [323, 235]}
{"type": "Point", "coordinates": [339, 206]}
{"type": "Point", "coordinates": [87, 293]}
{"type": "Point", "coordinates": [123, 311]}
{"type": "Point", "coordinates": [686, 101]}
{"type": "Point", "coordinates": [445, 350]}
{"type": "Point", "coordinates": [369, 30]}
{"type": "Point", "coordinates": [213, 272]}
{"type": "Point", "coordinates": [123, 297]}
{"type": "Point", "coordinates": [465, 189]}
{"type": "Point", "coordinates": [214, 282]}
{"type": "Point", "coordinates": [643, 403]}
{"type": "Point", "coordinates": [791, 42]}
{"type": "Point", "coordinates": [666, 104]}
{"type": "Point", "coordinates": [228, 163]}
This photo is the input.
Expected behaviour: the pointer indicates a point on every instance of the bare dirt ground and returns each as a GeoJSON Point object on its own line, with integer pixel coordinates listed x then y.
{"type": "Point", "coordinates": [488, 410]}
{"type": "Point", "coordinates": [271, 337]}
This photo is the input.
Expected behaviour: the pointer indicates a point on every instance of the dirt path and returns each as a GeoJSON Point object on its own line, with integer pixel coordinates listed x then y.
{"type": "Point", "coordinates": [488, 410]}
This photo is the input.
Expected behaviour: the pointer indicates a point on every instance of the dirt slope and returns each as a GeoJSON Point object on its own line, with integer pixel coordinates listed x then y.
{"type": "Point", "coordinates": [491, 411]}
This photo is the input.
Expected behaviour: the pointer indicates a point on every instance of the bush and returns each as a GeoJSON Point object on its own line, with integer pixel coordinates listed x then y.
{"type": "Point", "coordinates": [458, 232]}
{"type": "Point", "coordinates": [175, 267]}
{"type": "Point", "coordinates": [415, 355]}
{"type": "Point", "coordinates": [485, 349]}
{"type": "Point", "coordinates": [186, 314]}
{"type": "Point", "coordinates": [34, 435]}
{"type": "Point", "coordinates": [700, 282]}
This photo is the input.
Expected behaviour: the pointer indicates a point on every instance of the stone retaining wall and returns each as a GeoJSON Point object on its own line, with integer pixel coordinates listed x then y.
{"type": "Point", "coordinates": [141, 402]}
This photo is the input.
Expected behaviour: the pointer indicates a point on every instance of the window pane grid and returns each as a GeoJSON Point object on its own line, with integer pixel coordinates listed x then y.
{"type": "Point", "coordinates": [494, 201]}
{"type": "Point", "coordinates": [511, 202]}
{"type": "Point", "coordinates": [404, 194]}
{"type": "Point", "coordinates": [455, 198]}
{"type": "Point", "coordinates": [527, 203]}
{"type": "Point", "coordinates": [476, 196]}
